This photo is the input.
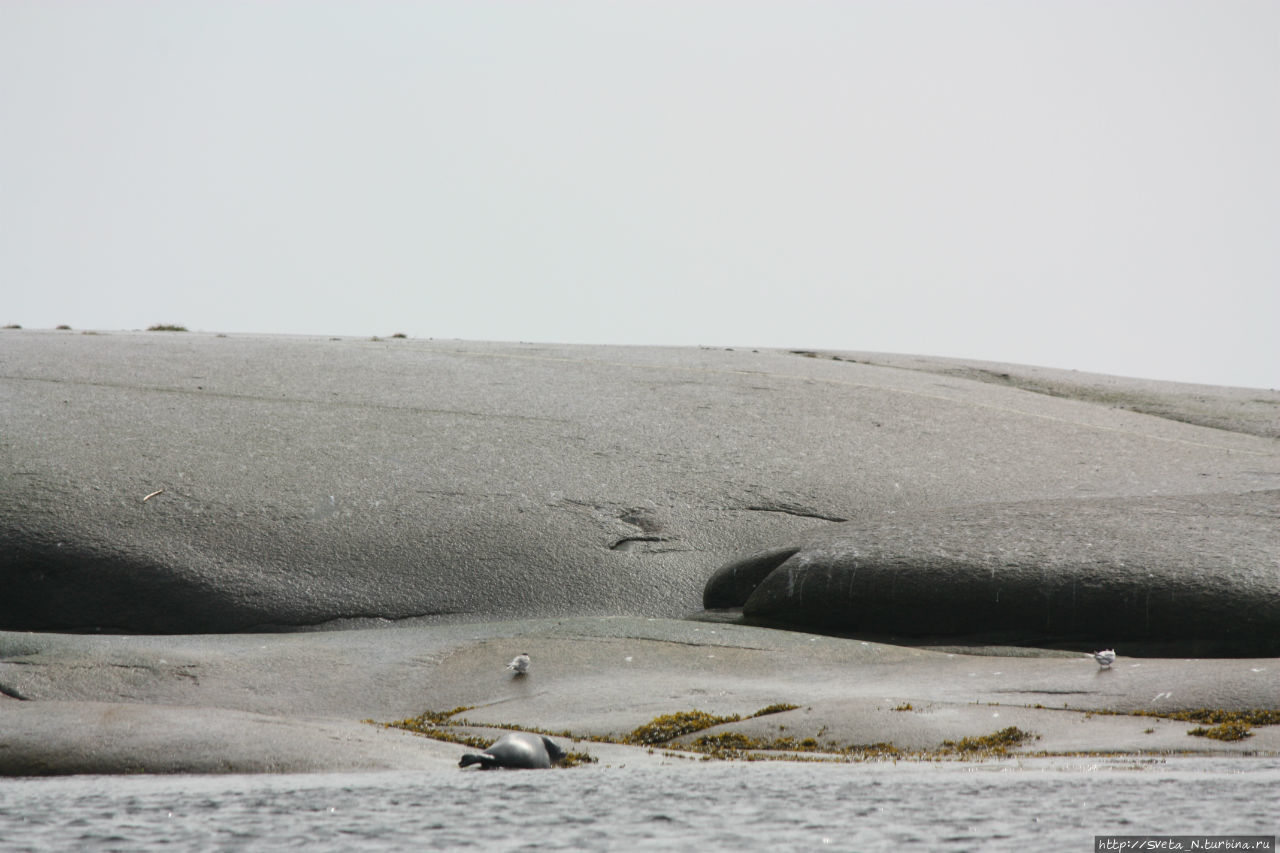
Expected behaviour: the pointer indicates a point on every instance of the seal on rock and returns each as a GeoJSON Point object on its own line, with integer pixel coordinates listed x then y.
{"type": "Point", "coordinates": [520, 750]}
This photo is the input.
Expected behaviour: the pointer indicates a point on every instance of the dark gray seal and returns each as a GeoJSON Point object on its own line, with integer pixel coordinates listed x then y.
{"type": "Point", "coordinates": [519, 750]}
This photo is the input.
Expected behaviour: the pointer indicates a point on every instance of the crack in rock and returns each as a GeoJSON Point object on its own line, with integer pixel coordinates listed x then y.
{"type": "Point", "coordinates": [12, 692]}
{"type": "Point", "coordinates": [798, 512]}
{"type": "Point", "coordinates": [645, 544]}
{"type": "Point", "coordinates": [338, 620]}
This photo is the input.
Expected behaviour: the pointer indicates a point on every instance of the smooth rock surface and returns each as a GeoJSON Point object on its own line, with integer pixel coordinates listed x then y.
{"type": "Point", "coordinates": [1190, 575]}
{"type": "Point", "coordinates": [1250, 410]}
{"type": "Point", "coordinates": [61, 738]}
{"type": "Point", "coordinates": [274, 703]}
{"type": "Point", "coordinates": [167, 493]}
{"type": "Point", "coordinates": [183, 482]}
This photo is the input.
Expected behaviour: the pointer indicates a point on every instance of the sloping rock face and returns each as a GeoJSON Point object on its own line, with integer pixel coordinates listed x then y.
{"type": "Point", "coordinates": [155, 482]}
{"type": "Point", "coordinates": [1250, 410]}
{"type": "Point", "coordinates": [1194, 575]}
{"type": "Point", "coordinates": [63, 738]}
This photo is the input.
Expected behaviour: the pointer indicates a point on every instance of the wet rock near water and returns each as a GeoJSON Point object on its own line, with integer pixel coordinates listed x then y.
{"type": "Point", "coordinates": [297, 702]}
{"type": "Point", "coordinates": [111, 737]}
{"type": "Point", "coordinates": [166, 501]}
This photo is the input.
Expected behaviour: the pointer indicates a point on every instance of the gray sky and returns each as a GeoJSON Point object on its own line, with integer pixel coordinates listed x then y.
{"type": "Point", "coordinates": [1077, 184]}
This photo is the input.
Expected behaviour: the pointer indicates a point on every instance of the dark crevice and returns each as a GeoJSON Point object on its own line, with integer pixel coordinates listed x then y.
{"type": "Point", "coordinates": [1049, 692]}
{"type": "Point", "coordinates": [733, 583]}
{"type": "Point", "coordinates": [12, 692]}
{"type": "Point", "coordinates": [630, 543]}
{"type": "Point", "coordinates": [340, 620]}
{"type": "Point", "coordinates": [697, 644]}
{"type": "Point", "coordinates": [649, 545]}
{"type": "Point", "coordinates": [798, 512]}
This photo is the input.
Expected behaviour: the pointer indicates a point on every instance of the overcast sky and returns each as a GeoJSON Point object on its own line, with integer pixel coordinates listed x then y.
{"type": "Point", "coordinates": [1077, 184]}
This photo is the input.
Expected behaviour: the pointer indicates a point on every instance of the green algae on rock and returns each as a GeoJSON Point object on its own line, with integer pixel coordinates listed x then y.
{"type": "Point", "coordinates": [1226, 725]}
{"type": "Point", "coordinates": [659, 730]}
{"type": "Point", "coordinates": [433, 724]}
{"type": "Point", "coordinates": [1225, 731]}
{"type": "Point", "coordinates": [1219, 716]}
{"type": "Point", "coordinates": [996, 743]}
{"type": "Point", "coordinates": [727, 745]}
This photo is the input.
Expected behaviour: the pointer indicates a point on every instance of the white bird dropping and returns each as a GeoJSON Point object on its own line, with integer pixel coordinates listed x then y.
{"type": "Point", "coordinates": [520, 663]}
{"type": "Point", "coordinates": [1105, 658]}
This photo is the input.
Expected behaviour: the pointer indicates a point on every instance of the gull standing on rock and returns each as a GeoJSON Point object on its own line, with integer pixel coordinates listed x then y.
{"type": "Point", "coordinates": [520, 663]}
{"type": "Point", "coordinates": [1105, 658]}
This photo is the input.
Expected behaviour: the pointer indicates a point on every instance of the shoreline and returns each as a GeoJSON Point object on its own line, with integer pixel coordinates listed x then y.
{"type": "Point", "coordinates": [316, 702]}
{"type": "Point", "coordinates": [165, 493]}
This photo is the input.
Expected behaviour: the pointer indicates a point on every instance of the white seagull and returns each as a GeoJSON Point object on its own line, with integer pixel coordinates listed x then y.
{"type": "Point", "coordinates": [1105, 658]}
{"type": "Point", "coordinates": [520, 663]}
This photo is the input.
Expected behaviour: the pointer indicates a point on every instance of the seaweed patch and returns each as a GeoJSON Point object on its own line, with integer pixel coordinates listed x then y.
{"type": "Point", "coordinates": [996, 743]}
{"type": "Point", "coordinates": [1225, 725]}
{"type": "Point", "coordinates": [1225, 731]}
{"type": "Point", "coordinates": [670, 726]}
{"type": "Point", "coordinates": [727, 746]}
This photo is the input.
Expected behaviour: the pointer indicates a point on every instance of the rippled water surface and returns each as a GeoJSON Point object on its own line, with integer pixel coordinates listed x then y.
{"type": "Point", "coordinates": [695, 806]}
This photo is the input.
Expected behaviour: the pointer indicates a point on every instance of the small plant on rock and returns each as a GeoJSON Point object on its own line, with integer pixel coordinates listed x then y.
{"type": "Point", "coordinates": [1223, 731]}
{"type": "Point", "coordinates": [671, 726]}
{"type": "Point", "coordinates": [996, 743]}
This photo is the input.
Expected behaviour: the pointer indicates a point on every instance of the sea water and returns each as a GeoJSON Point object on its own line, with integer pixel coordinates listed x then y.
{"type": "Point", "coordinates": [1005, 805]}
